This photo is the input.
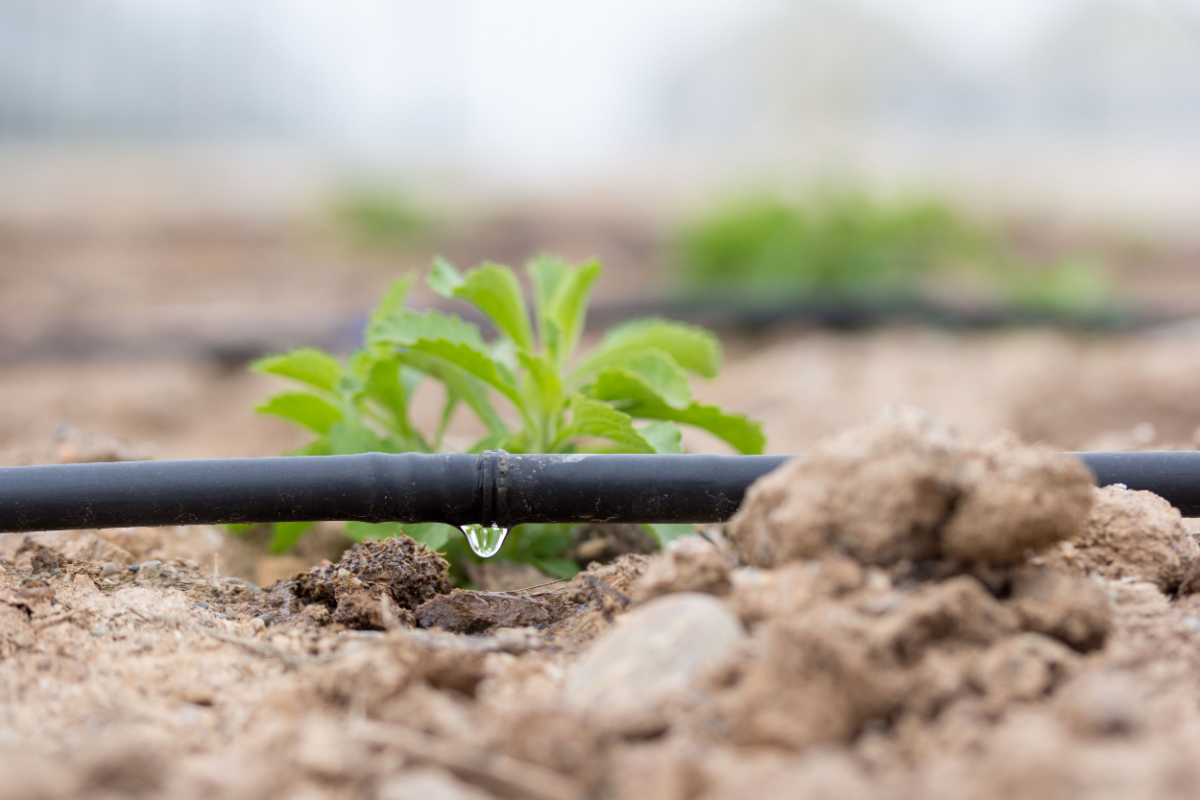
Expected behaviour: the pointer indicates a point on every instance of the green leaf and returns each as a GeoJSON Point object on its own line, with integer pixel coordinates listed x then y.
{"type": "Point", "coordinates": [347, 438]}
{"type": "Point", "coordinates": [591, 418]}
{"type": "Point", "coordinates": [384, 386]}
{"type": "Point", "coordinates": [449, 339]}
{"type": "Point", "coordinates": [543, 385]}
{"type": "Point", "coordinates": [664, 437]}
{"type": "Point", "coordinates": [394, 298]}
{"type": "Point", "coordinates": [305, 365]}
{"type": "Point", "coordinates": [659, 371]}
{"type": "Point", "coordinates": [541, 540]}
{"type": "Point", "coordinates": [443, 278]}
{"type": "Point", "coordinates": [666, 533]}
{"type": "Point", "coordinates": [494, 290]}
{"type": "Point", "coordinates": [639, 400]}
{"type": "Point", "coordinates": [461, 385]}
{"type": "Point", "coordinates": [692, 348]}
{"type": "Point", "coordinates": [433, 535]}
{"type": "Point", "coordinates": [286, 534]}
{"type": "Point", "coordinates": [472, 362]}
{"type": "Point", "coordinates": [570, 306]}
{"type": "Point", "coordinates": [406, 327]}
{"type": "Point", "coordinates": [545, 272]}
{"type": "Point", "coordinates": [302, 408]}
{"type": "Point", "coordinates": [557, 567]}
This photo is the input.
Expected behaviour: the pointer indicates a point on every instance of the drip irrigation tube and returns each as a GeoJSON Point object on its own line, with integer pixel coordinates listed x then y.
{"type": "Point", "coordinates": [494, 488]}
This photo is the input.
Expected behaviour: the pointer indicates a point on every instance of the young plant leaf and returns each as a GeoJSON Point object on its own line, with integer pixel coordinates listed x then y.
{"type": "Point", "coordinates": [443, 278]}
{"type": "Point", "coordinates": [394, 298]}
{"type": "Point", "coordinates": [347, 438]}
{"type": "Point", "coordinates": [460, 384]}
{"type": "Point", "coordinates": [303, 408]}
{"type": "Point", "coordinates": [692, 348]}
{"type": "Point", "coordinates": [405, 327]}
{"type": "Point", "coordinates": [667, 533]}
{"type": "Point", "coordinates": [545, 272]}
{"type": "Point", "coordinates": [659, 371]}
{"type": "Point", "coordinates": [306, 365]}
{"type": "Point", "coordinates": [568, 307]}
{"type": "Point", "coordinates": [286, 534]}
{"type": "Point", "coordinates": [592, 418]}
{"type": "Point", "coordinates": [664, 437]}
{"type": "Point", "coordinates": [473, 362]}
{"type": "Point", "coordinates": [494, 290]}
{"type": "Point", "coordinates": [544, 387]}
{"type": "Point", "coordinates": [637, 399]}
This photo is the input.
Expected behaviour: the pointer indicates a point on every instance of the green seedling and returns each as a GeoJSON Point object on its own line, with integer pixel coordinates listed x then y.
{"type": "Point", "coordinates": [529, 386]}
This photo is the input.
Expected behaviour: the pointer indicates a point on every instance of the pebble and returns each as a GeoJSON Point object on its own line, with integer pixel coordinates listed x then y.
{"type": "Point", "coordinates": [109, 568]}
{"type": "Point", "coordinates": [154, 564]}
{"type": "Point", "coordinates": [133, 567]}
{"type": "Point", "coordinates": [200, 605]}
{"type": "Point", "coordinates": [628, 679]}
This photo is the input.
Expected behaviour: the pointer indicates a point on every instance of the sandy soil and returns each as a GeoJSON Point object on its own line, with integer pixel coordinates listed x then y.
{"type": "Point", "coordinates": [988, 625]}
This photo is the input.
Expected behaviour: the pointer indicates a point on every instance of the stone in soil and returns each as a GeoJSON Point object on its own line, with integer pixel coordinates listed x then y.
{"type": "Point", "coordinates": [628, 679]}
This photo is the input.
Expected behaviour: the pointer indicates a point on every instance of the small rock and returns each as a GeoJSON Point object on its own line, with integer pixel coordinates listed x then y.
{"type": "Point", "coordinates": [154, 564]}
{"type": "Point", "coordinates": [109, 568]}
{"type": "Point", "coordinates": [134, 567]}
{"type": "Point", "coordinates": [629, 678]}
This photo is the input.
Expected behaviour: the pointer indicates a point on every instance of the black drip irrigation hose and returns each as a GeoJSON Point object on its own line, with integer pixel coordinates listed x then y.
{"type": "Point", "coordinates": [494, 488]}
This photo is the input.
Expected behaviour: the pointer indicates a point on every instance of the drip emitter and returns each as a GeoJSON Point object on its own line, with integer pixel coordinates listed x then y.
{"type": "Point", "coordinates": [493, 489]}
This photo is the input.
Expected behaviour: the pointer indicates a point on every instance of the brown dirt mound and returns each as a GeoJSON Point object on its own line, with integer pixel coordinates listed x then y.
{"type": "Point", "coordinates": [905, 488]}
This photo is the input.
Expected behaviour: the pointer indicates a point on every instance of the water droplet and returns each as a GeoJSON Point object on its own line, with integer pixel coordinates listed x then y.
{"type": "Point", "coordinates": [484, 542]}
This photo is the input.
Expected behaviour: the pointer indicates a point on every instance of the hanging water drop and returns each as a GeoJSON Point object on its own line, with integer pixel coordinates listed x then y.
{"type": "Point", "coordinates": [484, 542]}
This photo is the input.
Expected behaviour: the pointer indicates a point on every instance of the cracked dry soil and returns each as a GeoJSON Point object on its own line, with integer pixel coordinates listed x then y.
{"type": "Point", "coordinates": [897, 614]}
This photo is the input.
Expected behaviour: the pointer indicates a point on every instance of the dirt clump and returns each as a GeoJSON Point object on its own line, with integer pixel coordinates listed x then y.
{"type": "Point", "coordinates": [905, 488]}
{"type": "Point", "coordinates": [1071, 609]}
{"type": "Point", "coordinates": [689, 564]}
{"type": "Point", "coordinates": [878, 493]}
{"type": "Point", "coordinates": [604, 543]}
{"type": "Point", "coordinates": [1131, 535]}
{"type": "Point", "coordinates": [376, 585]}
{"type": "Point", "coordinates": [1014, 498]}
{"type": "Point", "coordinates": [462, 611]}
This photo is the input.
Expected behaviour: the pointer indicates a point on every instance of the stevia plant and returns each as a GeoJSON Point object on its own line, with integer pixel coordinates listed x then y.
{"type": "Point", "coordinates": [528, 385]}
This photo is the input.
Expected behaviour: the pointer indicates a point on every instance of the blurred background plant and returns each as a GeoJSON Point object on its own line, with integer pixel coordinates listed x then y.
{"type": "Point", "coordinates": [554, 401]}
{"type": "Point", "coordinates": [379, 215]}
{"type": "Point", "coordinates": [846, 247]}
